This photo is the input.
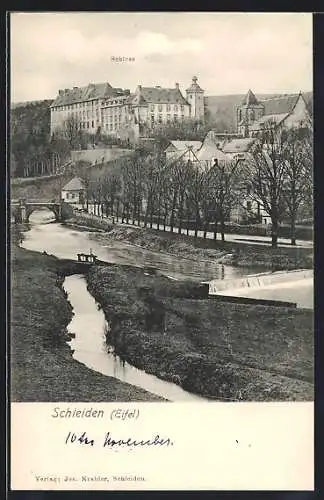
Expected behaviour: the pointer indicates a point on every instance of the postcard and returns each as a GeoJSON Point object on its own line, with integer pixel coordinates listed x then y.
{"type": "Point", "coordinates": [161, 170]}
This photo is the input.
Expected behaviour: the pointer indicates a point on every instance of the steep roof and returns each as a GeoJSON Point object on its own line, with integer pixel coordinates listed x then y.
{"type": "Point", "coordinates": [75, 184]}
{"type": "Point", "coordinates": [156, 95]}
{"type": "Point", "coordinates": [184, 145]}
{"type": "Point", "coordinates": [209, 151]}
{"type": "Point", "coordinates": [279, 105]}
{"type": "Point", "coordinates": [274, 119]}
{"type": "Point", "coordinates": [79, 94]}
{"type": "Point", "coordinates": [238, 145]}
{"type": "Point", "coordinates": [250, 99]}
{"type": "Point", "coordinates": [308, 97]}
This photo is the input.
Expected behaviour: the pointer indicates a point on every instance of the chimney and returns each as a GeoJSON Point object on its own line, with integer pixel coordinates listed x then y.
{"type": "Point", "coordinates": [61, 92]}
{"type": "Point", "coordinates": [138, 89]}
{"type": "Point", "coordinates": [75, 88]}
{"type": "Point", "coordinates": [157, 86]}
{"type": "Point", "coordinates": [177, 86]}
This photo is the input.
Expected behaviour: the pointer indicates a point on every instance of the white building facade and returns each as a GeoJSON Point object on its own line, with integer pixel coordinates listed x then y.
{"type": "Point", "coordinates": [112, 110]}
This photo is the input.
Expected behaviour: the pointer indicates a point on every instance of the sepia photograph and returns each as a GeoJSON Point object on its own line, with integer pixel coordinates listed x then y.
{"type": "Point", "coordinates": [161, 207]}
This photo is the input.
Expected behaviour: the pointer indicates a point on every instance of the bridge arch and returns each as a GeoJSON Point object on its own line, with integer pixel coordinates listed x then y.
{"type": "Point", "coordinates": [22, 209]}
{"type": "Point", "coordinates": [55, 209]}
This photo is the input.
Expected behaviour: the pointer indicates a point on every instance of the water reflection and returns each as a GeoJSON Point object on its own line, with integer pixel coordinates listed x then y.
{"type": "Point", "coordinates": [63, 242]}
{"type": "Point", "coordinates": [89, 326]}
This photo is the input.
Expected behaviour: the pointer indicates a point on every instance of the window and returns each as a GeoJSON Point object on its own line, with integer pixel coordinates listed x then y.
{"type": "Point", "coordinates": [168, 108]}
{"type": "Point", "coordinates": [160, 118]}
{"type": "Point", "coordinates": [87, 124]}
{"type": "Point", "coordinates": [175, 117]}
{"type": "Point", "coordinates": [168, 118]}
{"type": "Point", "coordinates": [152, 118]}
{"type": "Point", "coordinates": [160, 107]}
{"type": "Point", "coordinates": [182, 107]}
{"type": "Point", "coordinates": [175, 108]}
{"type": "Point", "coordinates": [249, 205]}
{"type": "Point", "coordinates": [92, 124]}
{"type": "Point", "coordinates": [152, 107]}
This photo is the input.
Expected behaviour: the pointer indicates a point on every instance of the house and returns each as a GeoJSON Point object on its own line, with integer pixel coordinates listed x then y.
{"type": "Point", "coordinates": [186, 150]}
{"type": "Point", "coordinates": [114, 111]}
{"type": "Point", "coordinates": [224, 147]}
{"type": "Point", "coordinates": [74, 191]}
{"type": "Point", "coordinates": [220, 149]}
{"type": "Point", "coordinates": [286, 111]}
{"type": "Point", "coordinates": [157, 105]}
{"type": "Point", "coordinates": [238, 149]}
{"type": "Point", "coordinates": [210, 150]}
{"type": "Point", "coordinates": [83, 104]}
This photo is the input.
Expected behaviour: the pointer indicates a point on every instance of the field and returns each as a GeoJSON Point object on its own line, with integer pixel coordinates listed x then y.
{"type": "Point", "coordinates": [42, 367]}
{"type": "Point", "coordinates": [220, 350]}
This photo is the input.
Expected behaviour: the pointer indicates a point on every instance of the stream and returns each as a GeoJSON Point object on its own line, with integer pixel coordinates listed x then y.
{"type": "Point", "coordinates": [88, 325]}
{"type": "Point", "coordinates": [90, 346]}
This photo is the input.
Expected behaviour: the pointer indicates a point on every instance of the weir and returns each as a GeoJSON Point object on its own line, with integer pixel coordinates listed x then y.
{"type": "Point", "coordinates": [259, 281]}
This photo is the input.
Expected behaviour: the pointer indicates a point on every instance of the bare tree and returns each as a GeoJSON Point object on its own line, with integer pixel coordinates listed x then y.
{"type": "Point", "coordinates": [226, 182]}
{"type": "Point", "coordinates": [181, 176]}
{"type": "Point", "coordinates": [298, 157]}
{"type": "Point", "coordinates": [196, 192]}
{"type": "Point", "coordinates": [153, 168]}
{"type": "Point", "coordinates": [111, 193]}
{"type": "Point", "coordinates": [133, 169]}
{"type": "Point", "coordinates": [72, 131]}
{"type": "Point", "coordinates": [267, 175]}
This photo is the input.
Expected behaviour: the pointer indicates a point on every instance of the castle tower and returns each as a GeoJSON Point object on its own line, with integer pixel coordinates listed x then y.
{"type": "Point", "coordinates": [195, 97]}
{"type": "Point", "coordinates": [248, 112]}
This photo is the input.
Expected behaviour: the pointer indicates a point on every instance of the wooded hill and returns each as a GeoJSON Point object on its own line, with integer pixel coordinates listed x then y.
{"type": "Point", "coordinates": [30, 124]}
{"type": "Point", "coordinates": [30, 132]}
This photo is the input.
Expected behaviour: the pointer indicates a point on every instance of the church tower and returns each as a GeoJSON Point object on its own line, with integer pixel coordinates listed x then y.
{"type": "Point", "coordinates": [195, 97]}
{"type": "Point", "coordinates": [248, 112]}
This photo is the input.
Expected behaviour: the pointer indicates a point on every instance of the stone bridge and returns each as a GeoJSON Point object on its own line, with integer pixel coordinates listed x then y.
{"type": "Point", "coordinates": [22, 209]}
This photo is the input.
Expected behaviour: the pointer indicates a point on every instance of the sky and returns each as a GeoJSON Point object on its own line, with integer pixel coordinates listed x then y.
{"type": "Point", "coordinates": [228, 52]}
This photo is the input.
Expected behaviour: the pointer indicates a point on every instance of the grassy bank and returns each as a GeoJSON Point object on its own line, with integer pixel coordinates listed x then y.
{"type": "Point", "coordinates": [42, 367]}
{"type": "Point", "coordinates": [228, 252]}
{"type": "Point", "coordinates": [219, 350]}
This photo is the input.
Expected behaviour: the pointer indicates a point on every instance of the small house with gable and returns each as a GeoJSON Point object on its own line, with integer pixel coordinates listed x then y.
{"type": "Point", "coordinates": [74, 191]}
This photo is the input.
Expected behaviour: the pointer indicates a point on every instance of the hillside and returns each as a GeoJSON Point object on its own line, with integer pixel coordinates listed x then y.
{"type": "Point", "coordinates": [15, 105]}
{"type": "Point", "coordinates": [221, 110]}
{"type": "Point", "coordinates": [30, 124]}
{"type": "Point", "coordinates": [30, 132]}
